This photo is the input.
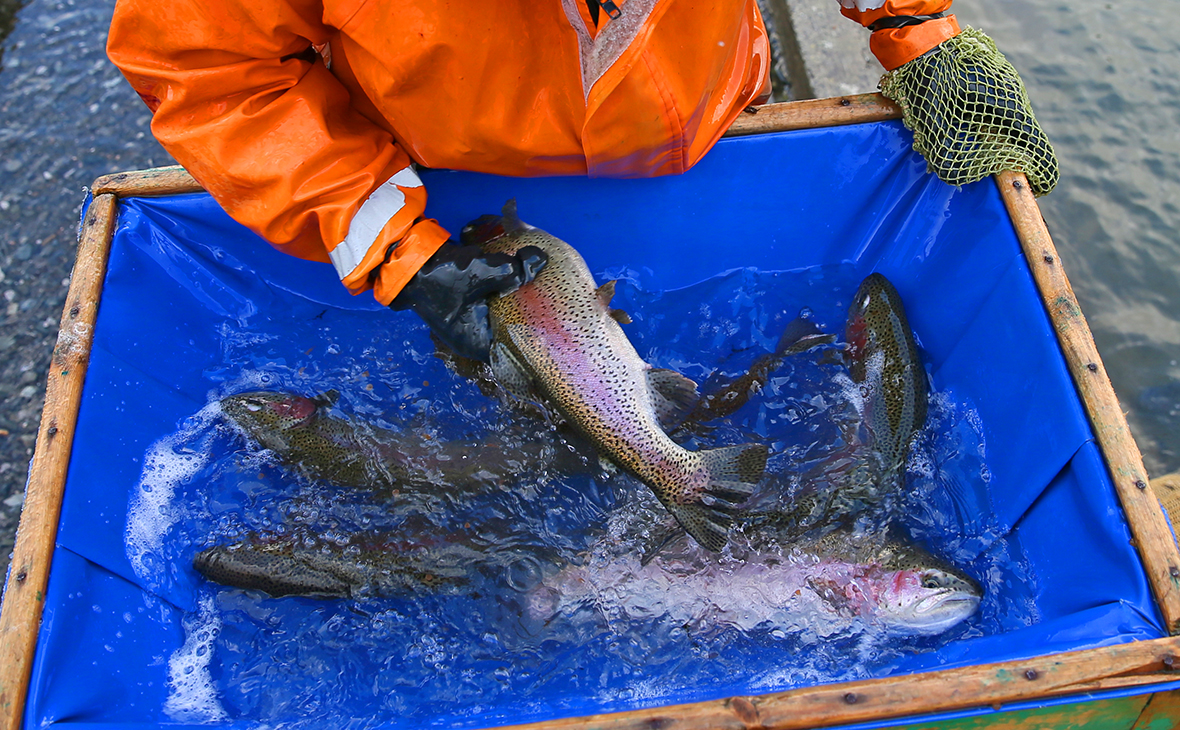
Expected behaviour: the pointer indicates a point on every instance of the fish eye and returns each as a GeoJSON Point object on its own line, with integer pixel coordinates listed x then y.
{"type": "Point", "coordinates": [253, 405]}
{"type": "Point", "coordinates": [932, 580]}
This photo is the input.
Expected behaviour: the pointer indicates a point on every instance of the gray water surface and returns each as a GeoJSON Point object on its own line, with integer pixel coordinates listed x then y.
{"type": "Point", "coordinates": [1102, 77]}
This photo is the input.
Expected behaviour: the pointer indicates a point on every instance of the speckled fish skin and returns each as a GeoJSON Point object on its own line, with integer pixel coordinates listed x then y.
{"type": "Point", "coordinates": [558, 333]}
{"type": "Point", "coordinates": [353, 454]}
{"type": "Point", "coordinates": [782, 582]}
{"type": "Point", "coordinates": [883, 360]}
{"type": "Point", "coordinates": [290, 567]}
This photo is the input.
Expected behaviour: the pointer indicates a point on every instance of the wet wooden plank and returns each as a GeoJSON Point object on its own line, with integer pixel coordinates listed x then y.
{"type": "Point", "coordinates": [986, 686]}
{"type": "Point", "coordinates": [1153, 539]}
{"type": "Point", "coordinates": [173, 180]}
{"type": "Point", "coordinates": [814, 113]}
{"type": "Point", "coordinates": [20, 617]}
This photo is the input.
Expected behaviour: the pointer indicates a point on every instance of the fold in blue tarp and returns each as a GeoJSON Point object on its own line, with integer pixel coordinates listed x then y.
{"type": "Point", "coordinates": [183, 279]}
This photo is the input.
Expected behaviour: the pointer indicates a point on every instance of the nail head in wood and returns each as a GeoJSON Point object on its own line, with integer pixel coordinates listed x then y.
{"type": "Point", "coordinates": [1031, 674]}
{"type": "Point", "coordinates": [1092, 367]}
{"type": "Point", "coordinates": [851, 698]}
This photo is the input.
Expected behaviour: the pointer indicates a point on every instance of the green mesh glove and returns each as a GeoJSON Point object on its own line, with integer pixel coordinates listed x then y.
{"type": "Point", "coordinates": [970, 115]}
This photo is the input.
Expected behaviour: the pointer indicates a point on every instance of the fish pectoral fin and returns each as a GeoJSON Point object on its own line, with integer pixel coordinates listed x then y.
{"type": "Point", "coordinates": [672, 395]}
{"type": "Point", "coordinates": [619, 316]}
{"type": "Point", "coordinates": [529, 350]}
{"type": "Point", "coordinates": [607, 466]}
{"type": "Point", "coordinates": [829, 592]}
{"type": "Point", "coordinates": [509, 373]}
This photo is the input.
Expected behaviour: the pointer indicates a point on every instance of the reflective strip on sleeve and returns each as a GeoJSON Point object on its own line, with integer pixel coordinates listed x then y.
{"type": "Point", "coordinates": [861, 5]}
{"type": "Point", "coordinates": [384, 203]}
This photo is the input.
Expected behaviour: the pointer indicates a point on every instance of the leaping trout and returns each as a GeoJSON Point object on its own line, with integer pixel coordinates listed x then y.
{"type": "Point", "coordinates": [558, 338]}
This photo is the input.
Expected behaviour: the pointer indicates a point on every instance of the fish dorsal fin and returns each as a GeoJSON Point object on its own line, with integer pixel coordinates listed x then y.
{"type": "Point", "coordinates": [605, 293]}
{"type": "Point", "coordinates": [673, 396]}
{"type": "Point", "coordinates": [511, 220]}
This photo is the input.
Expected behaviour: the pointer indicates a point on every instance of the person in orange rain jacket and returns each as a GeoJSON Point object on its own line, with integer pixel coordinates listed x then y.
{"type": "Point", "coordinates": [304, 118]}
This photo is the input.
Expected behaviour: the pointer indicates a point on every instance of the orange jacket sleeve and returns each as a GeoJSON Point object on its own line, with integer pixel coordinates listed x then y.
{"type": "Point", "coordinates": [895, 45]}
{"type": "Point", "coordinates": [272, 135]}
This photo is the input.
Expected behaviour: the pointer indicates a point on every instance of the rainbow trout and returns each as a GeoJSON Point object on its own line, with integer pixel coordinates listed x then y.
{"type": "Point", "coordinates": [558, 338]}
{"type": "Point", "coordinates": [370, 565]}
{"type": "Point", "coordinates": [883, 361]}
{"type": "Point", "coordinates": [817, 584]}
{"type": "Point", "coordinates": [351, 453]}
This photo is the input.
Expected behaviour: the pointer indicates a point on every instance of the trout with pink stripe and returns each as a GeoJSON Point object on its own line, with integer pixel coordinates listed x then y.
{"type": "Point", "coordinates": [557, 340]}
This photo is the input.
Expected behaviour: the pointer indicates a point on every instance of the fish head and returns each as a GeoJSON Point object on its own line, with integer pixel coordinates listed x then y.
{"type": "Point", "coordinates": [875, 315]}
{"type": "Point", "coordinates": [488, 228]}
{"type": "Point", "coordinates": [269, 416]}
{"type": "Point", "coordinates": [482, 230]}
{"type": "Point", "coordinates": [925, 600]}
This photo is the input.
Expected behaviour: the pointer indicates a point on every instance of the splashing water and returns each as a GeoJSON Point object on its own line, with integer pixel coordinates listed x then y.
{"type": "Point", "coordinates": [548, 620]}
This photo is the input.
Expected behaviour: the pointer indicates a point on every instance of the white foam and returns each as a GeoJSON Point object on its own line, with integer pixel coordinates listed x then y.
{"type": "Point", "coordinates": [168, 463]}
{"type": "Point", "coordinates": [191, 694]}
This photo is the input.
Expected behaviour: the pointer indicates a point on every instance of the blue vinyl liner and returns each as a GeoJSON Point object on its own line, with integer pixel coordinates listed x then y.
{"type": "Point", "coordinates": [180, 268]}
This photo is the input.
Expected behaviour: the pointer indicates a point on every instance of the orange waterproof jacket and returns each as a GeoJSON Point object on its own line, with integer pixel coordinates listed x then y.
{"type": "Point", "coordinates": [313, 150]}
{"type": "Point", "coordinates": [895, 44]}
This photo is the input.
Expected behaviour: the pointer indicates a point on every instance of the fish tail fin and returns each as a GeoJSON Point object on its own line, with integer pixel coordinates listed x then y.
{"type": "Point", "coordinates": [732, 471]}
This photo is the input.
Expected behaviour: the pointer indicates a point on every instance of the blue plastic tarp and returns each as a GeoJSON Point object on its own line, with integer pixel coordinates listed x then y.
{"type": "Point", "coordinates": [184, 282]}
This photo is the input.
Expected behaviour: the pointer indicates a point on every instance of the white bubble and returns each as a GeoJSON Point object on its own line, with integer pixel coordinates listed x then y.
{"type": "Point", "coordinates": [169, 462]}
{"type": "Point", "coordinates": [192, 698]}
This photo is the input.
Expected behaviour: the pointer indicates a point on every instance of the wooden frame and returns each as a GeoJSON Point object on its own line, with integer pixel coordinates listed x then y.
{"type": "Point", "coordinates": [988, 687]}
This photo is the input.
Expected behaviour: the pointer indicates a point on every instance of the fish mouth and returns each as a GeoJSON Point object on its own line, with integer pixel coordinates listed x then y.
{"type": "Point", "coordinates": [945, 598]}
{"type": "Point", "coordinates": [934, 614]}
